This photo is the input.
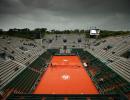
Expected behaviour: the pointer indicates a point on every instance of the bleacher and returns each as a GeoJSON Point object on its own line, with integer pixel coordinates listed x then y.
{"type": "Point", "coordinates": [111, 81]}
{"type": "Point", "coordinates": [23, 82]}
{"type": "Point", "coordinates": [11, 68]}
{"type": "Point", "coordinates": [19, 55]}
{"type": "Point", "coordinates": [67, 96]}
{"type": "Point", "coordinates": [111, 71]}
{"type": "Point", "coordinates": [8, 71]}
{"type": "Point", "coordinates": [41, 61]}
{"type": "Point", "coordinates": [53, 51]}
{"type": "Point", "coordinates": [78, 51]}
{"type": "Point", "coordinates": [26, 81]}
{"type": "Point", "coordinates": [112, 57]}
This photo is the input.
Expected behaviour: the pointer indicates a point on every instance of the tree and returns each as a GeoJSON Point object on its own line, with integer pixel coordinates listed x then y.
{"type": "Point", "coordinates": [1, 31]}
{"type": "Point", "coordinates": [76, 31]}
{"type": "Point", "coordinates": [82, 31]}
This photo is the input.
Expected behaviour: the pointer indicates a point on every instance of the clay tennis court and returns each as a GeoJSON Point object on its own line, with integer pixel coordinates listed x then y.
{"type": "Point", "coordinates": [65, 75]}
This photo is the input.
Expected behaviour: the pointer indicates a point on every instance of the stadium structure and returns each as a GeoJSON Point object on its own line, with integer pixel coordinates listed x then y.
{"type": "Point", "coordinates": [65, 67]}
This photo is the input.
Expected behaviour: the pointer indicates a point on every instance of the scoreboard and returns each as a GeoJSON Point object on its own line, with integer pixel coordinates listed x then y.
{"type": "Point", "coordinates": [94, 32]}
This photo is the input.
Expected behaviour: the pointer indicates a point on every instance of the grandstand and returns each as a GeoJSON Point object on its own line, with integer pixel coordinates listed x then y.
{"type": "Point", "coordinates": [26, 65]}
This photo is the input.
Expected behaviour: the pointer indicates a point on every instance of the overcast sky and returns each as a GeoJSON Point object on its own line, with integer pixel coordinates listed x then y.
{"type": "Point", "coordinates": [65, 14]}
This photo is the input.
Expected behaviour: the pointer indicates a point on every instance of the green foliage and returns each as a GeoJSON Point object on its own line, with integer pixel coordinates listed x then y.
{"type": "Point", "coordinates": [40, 32]}
{"type": "Point", "coordinates": [105, 33]}
{"type": "Point", "coordinates": [26, 33]}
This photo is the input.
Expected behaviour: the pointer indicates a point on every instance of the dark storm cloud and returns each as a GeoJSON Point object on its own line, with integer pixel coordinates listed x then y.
{"type": "Point", "coordinates": [78, 6]}
{"type": "Point", "coordinates": [108, 14]}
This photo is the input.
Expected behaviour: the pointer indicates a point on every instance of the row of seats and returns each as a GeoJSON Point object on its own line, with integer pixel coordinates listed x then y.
{"type": "Point", "coordinates": [24, 82]}
{"type": "Point", "coordinates": [105, 79]}
{"type": "Point", "coordinates": [8, 71]}
{"type": "Point", "coordinates": [28, 79]}
{"type": "Point", "coordinates": [112, 56]}
{"type": "Point", "coordinates": [10, 68]}
{"type": "Point", "coordinates": [41, 61]}
{"type": "Point", "coordinates": [68, 97]}
{"type": "Point", "coordinates": [58, 40]}
{"type": "Point", "coordinates": [19, 55]}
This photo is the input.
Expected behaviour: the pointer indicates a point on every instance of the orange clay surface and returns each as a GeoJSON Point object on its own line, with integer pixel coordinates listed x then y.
{"type": "Point", "coordinates": [65, 75]}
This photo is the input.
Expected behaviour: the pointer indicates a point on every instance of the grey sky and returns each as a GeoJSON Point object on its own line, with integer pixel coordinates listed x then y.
{"type": "Point", "coordinates": [65, 14]}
